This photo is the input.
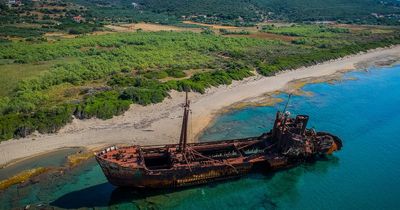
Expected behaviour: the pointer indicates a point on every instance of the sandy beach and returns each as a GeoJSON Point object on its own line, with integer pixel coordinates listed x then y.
{"type": "Point", "coordinates": [160, 123]}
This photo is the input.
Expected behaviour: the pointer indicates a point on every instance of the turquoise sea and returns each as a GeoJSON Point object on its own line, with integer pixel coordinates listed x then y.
{"type": "Point", "coordinates": [364, 112]}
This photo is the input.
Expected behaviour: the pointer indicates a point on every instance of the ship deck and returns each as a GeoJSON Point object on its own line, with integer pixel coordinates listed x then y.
{"type": "Point", "coordinates": [161, 157]}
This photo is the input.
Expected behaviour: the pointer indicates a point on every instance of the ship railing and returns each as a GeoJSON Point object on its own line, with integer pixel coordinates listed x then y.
{"type": "Point", "coordinates": [214, 160]}
{"type": "Point", "coordinates": [260, 153]}
{"type": "Point", "coordinates": [242, 148]}
{"type": "Point", "coordinates": [104, 151]}
{"type": "Point", "coordinates": [201, 143]}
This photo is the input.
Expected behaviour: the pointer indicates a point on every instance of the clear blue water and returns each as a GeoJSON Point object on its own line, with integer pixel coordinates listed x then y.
{"type": "Point", "coordinates": [364, 175]}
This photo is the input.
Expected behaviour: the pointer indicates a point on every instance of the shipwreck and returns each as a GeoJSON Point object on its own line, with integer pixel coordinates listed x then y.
{"type": "Point", "coordinates": [287, 144]}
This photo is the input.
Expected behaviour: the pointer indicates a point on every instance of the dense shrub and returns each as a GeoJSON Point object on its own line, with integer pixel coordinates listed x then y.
{"type": "Point", "coordinates": [201, 81]}
{"type": "Point", "coordinates": [103, 105]}
{"type": "Point", "coordinates": [228, 32]}
{"type": "Point", "coordinates": [50, 120]}
{"type": "Point", "coordinates": [144, 96]}
{"type": "Point", "coordinates": [128, 67]}
{"type": "Point", "coordinates": [46, 120]}
{"type": "Point", "coordinates": [176, 73]}
{"type": "Point", "coordinates": [156, 75]}
{"type": "Point", "coordinates": [10, 124]}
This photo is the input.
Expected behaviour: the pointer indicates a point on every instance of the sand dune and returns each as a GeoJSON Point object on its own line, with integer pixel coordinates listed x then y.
{"type": "Point", "coordinates": [160, 123]}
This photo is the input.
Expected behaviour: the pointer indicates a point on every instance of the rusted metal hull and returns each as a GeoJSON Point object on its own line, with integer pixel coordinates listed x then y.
{"type": "Point", "coordinates": [288, 144]}
{"type": "Point", "coordinates": [140, 178]}
{"type": "Point", "coordinates": [184, 176]}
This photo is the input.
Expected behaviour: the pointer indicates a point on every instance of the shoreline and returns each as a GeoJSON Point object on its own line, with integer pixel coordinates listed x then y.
{"type": "Point", "coordinates": [160, 123]}
{"type": "Point", "coordinates": [40, 154]}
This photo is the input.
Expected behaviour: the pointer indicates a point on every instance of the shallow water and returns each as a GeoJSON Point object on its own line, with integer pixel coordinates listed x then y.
{"type": "Point", "coordinates": [52, 159]}
{"type": "Point", "coordinates": [364, 175]}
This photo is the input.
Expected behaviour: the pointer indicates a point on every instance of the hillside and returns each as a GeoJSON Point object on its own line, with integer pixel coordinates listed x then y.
{"type": "Point", "coordinates": [32, 19]}
{"type": "Point", "coordinates": [245, 11]}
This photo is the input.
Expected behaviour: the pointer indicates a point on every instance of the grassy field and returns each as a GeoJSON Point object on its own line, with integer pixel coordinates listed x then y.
{"type": "Point", "coordinates": [46, 82]}
{"type": "Point", "coordinates": [12, 74]}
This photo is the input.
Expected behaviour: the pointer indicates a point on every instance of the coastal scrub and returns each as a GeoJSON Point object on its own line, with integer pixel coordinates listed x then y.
{"type": "Point", "coordinates": [105, 74]}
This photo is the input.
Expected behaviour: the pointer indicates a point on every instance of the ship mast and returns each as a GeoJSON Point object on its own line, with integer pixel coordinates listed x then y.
{"type": "Point", "coordinates": [185, 122]}
{"type": "Point", "coordinates": [280, 119]}
{"type": "Point", "coordinates": [287, 103]}
{"type": "Point", "coordinates": [286, 113]}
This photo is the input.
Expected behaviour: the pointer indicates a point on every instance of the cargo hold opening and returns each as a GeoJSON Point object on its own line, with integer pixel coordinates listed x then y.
{"type": "Point", "coordinates": [157, 161]}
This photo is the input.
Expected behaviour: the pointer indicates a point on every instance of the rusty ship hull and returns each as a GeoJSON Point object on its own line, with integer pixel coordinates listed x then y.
{"type": "Point", "coordinates": [153, 167]}
{"type": "Point", "coordinates": [172, 178]}
{"type": "Point", "coordinates": [288, 144]}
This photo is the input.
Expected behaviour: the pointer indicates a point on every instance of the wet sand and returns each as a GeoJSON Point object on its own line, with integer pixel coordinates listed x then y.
{"type": "Point", "coordinates": [160, 123]}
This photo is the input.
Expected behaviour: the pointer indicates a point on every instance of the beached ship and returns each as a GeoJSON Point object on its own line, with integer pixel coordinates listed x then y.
{"type": "Point", "coordinates": [288, 144]}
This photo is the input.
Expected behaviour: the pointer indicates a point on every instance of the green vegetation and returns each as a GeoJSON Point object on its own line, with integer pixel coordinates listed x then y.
{"type": "Point", "coordinates": [356, 11]}
{"type": "Point", "coordinates": [45, 82]}
{"type": "Point", "coordinates": [79, 28]}
{"type": "Point", "coordinates": [13, 31]}
{"type": "Point", "coordinates": [228, 32]}
{"type": "Point", "coordinates": [316, 31]}
{"type": "Point", "coordinates": [122, 11]}
{"type": "Point", "coordinates": [58, 15]}
{"type": "Point", "coordinates": [33, 19]}
{"type": "Point", "coordinates": [104, 74]}
{"type": "Point", "coordinates": [103, 105]}
{"type": "Point", "coordinates": [246, 12]}
{"type": "Point", "coordinates": [13, 73]}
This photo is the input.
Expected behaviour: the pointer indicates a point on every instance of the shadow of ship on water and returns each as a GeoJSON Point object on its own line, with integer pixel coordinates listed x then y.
{"type": "Point", "coordinates": [105, 194]}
